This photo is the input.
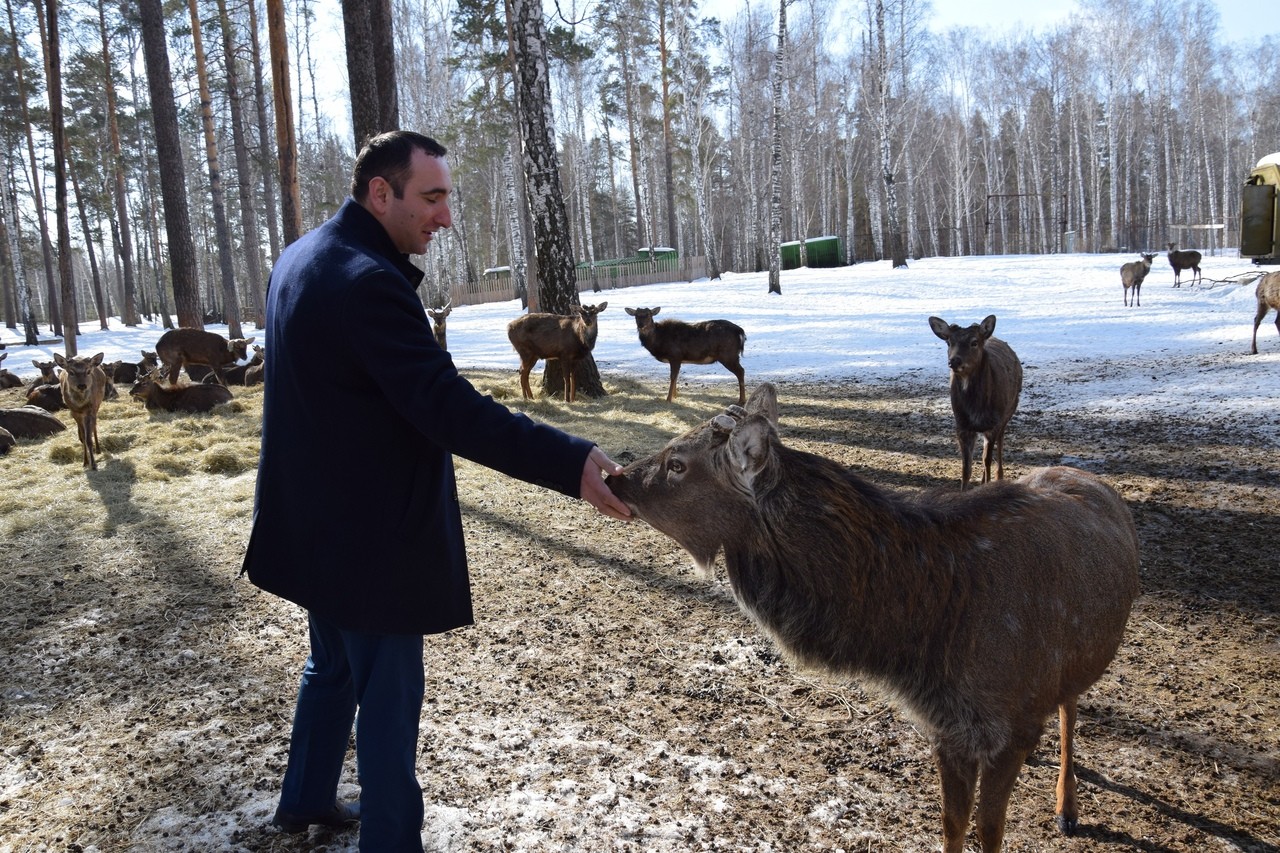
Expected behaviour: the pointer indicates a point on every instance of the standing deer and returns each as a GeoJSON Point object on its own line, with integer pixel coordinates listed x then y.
{"type": "Point", "coordinates": [538, 336]}
{"type": "Point", "coordinates": [978, 612]}
{"type": "Point", "coordinates": [438, 324]}
{"type": "Point", "coordinates": [177, 347]}
{"type": "Point", "coordinates": [676, 342]}
{"type": "Point", "coordinates": [1132, 275]}
{"type": "Point", "coordinates": [83, 384]}
{"type": "Point", "coordinates": [986, 381]}
{"type": "Point", "coordinates": [1184, 259]}
{"type": "Point", "coordinates": [1268, 295]}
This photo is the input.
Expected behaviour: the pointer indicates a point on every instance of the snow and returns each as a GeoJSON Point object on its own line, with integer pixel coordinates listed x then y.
{"type": "Point", "coordinates": [1183, 353]}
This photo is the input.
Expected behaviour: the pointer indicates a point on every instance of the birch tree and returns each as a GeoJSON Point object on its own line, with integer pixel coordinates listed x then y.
{"type": "Point", "coordinates": [775, 181]}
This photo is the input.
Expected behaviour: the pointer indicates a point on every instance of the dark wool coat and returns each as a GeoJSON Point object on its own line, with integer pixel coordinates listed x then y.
{"type": "Point", "coordinates": [356, 513]}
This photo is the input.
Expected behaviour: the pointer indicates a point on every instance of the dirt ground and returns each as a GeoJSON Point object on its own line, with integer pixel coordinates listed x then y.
{"type": "Point", "coordinates": [609, 698]}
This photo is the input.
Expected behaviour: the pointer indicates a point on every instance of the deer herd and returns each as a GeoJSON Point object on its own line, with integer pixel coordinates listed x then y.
{"type": "Point", "coordinates": [980, 611]}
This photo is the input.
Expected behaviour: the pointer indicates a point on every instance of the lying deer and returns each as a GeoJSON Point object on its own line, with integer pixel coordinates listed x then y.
{"type": "Point", "coordinates": [83, 384]}
{"type": "Point", "coordinates": [986, 381]}
{"type": "Point", "coordinates": [675, 342]}
{"type": "Point", "coordinates": [546, 336]}
{"type": "Point", "coordinates": [978, 612]}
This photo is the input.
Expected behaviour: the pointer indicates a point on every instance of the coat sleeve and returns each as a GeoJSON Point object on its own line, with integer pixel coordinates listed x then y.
{"type": "Point", "coordinates": [419, 380]}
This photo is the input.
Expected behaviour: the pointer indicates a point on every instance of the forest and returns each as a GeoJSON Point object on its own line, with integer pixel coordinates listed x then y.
{"type": "Point", "coordinates": [155, 161]}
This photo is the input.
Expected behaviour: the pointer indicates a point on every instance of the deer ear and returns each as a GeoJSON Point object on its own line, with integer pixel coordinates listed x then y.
{"type": "Point", "coordinates": [940, 328]}
{"type": "Point", "coordinates": [988, 326]}
{"type": "Point", "coordinates": [764, 401]}
{"type": "Point", "coordinates": [749, 447]}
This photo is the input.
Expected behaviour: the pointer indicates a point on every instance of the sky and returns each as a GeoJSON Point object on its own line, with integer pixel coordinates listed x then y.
{"type": "Point", "coordinates": [1239, 20]}
{"type": "Point", "coordinates": [1182, 353]}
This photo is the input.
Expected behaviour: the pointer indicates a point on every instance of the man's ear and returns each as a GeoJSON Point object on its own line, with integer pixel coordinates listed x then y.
{"type": "Point", "coordinates": [380, 194]}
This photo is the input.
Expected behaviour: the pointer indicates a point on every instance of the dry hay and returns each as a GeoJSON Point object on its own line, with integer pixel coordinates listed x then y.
{"type": "Point", "coordinates": [607, 698]}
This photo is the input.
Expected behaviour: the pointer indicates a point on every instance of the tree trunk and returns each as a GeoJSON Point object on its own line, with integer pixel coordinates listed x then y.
{"type": "Point", "coordinates": [775, 181]}
{"type": "Point", "coordinates": [58, 133]}
{"type": "Point", "coordinates": [221, 232]}
{"type": "Point", "coordinates": [129, 312]}
{"type": "Point", "coordinates": [370, 42]}
{"type": "Point", "coordinates": [173, 178]}
{"type": "Point", "coordinates": [558, 290]}
{"type": "Point", "coordinates": [286, 138]}
{"type": "Point", "coordinates": [248, 216]}
{"type": "Point", "coordinates": [668, 138]}
{"type": "Point", "coordinates": [265, 161]}
{"type": "Point", "coordinates": [82, 209]}
{"type": "Point", "coordinates": [37, 195]}
{"type": "Point", "coordinates": [22, 290]}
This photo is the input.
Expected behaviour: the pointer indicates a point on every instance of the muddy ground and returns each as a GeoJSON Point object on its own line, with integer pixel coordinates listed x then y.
{"type": "Point", "coordinates": [609, 698]}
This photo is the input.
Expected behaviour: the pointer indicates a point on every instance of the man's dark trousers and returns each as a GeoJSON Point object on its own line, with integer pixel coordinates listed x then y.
{"type": "Point", "coordinates": [382, 675]}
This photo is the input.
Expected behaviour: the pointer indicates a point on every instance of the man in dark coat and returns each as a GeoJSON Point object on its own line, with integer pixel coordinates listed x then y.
{"type": "Point", "coordinates": [356, 514]}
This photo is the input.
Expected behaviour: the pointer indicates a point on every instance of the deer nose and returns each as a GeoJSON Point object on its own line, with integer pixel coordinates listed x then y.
{"type": "Point", "coordinates": [955, 363]}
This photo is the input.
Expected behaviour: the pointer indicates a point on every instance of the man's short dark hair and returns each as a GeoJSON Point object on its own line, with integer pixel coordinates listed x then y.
{"type": "Point", "coordinates": [388, 156]}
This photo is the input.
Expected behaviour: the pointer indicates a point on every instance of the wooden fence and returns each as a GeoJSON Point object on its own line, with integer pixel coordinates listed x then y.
{"type": "Point", "coordinates": [497, 285]}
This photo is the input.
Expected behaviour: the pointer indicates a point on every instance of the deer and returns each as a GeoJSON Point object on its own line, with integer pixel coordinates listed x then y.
{"type": "Point", "coordinates": [986, 381]}
{"type": "Point", "coordinates": [48, 373]}
{"type": "Point", "coordinates": [177, 347]}
{"type": "Point", "coordinates": [1268, 295]}
{"type": "Point", "coordinates": [979, 613]}
{"type": "Point", "coordinates": [438, 323]}
{"type": "Point", "coordinates": [1184, 259]}
{"type": "Point", "coordinates": [675, 342]}
{"type": "Point", "coordinates": [194, 399]}
{"type": "Point", "coordinates": [84, 383]}
{"type": "Point", "coordinates": [537, 336]}
{"type": "Point", "coordinates": [240, 374]}
{"type": "Point", "coordinates": [8, 379]}
{"type": "Point", "coordinates": [1132, 275]}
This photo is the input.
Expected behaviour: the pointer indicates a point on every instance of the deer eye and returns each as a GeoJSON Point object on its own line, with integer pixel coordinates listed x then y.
{"type": "Point", "coordinates": [675, 466]}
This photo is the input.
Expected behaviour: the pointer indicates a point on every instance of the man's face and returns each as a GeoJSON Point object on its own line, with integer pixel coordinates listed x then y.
{"type": "Point", "coordinates": [423, 209]}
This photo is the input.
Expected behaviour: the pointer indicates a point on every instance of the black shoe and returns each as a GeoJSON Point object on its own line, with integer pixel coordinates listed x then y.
{"type": "Point", "coordinates": [342, 814]}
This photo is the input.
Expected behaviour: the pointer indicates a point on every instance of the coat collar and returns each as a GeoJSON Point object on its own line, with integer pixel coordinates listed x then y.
{"type": "Point", "coordinates": [353, 218]}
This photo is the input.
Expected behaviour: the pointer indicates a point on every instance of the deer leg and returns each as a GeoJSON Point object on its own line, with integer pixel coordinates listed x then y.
{"type": "Point", "coordinates": [998, 779]}
{"type": "Point", "coordinates": [570, 382]}
{"type": "Point", "coordinates": [988, 453]}
{"type": "Point", "coordinates": [736, 370]}
{"type": "Point", "coordinates": [675, 372]}
{"type": "Point", "coordinates": [959, 776]}
{"type": "Point", "coordinates": [966, 441]}
{"type": "Point", "coordinates": [525, 390]}
{"type": "Point", "coordinates": [173, 372]}
{"type": "Point", "coordinates": [1068, 810]}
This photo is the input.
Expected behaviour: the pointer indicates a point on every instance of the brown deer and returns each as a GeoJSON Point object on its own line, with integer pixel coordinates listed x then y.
{"type": "Point", "coordinates": [1268, 294]}
{"type": "Point", "coordinates": [1132, 275]}
{"type": "Point", "coordinates": [986, 381]}
{"type": "Point", "coordinates": [7, 378]}
{"type": "Point", "coordinates": [177, 347]}
{"type": "Point", "coordinates": [83, 385]}
{"type": "Point", "coordinates": [239, 374]}
{"type": "Point", "coordinates": [1184, 259]}
{"type": "Point", "coordinates": [194, 399]}
{"type": "Point", "coordinates": [548, 336]}
{"type": "Point", "coordinates": [675, 342]}
{"type": "Point", "coordinates": [48, 375]}
{"type": "Point", "coordinates": [438, 324]}
{"type": "Point", "coordinates": [978, 612]}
